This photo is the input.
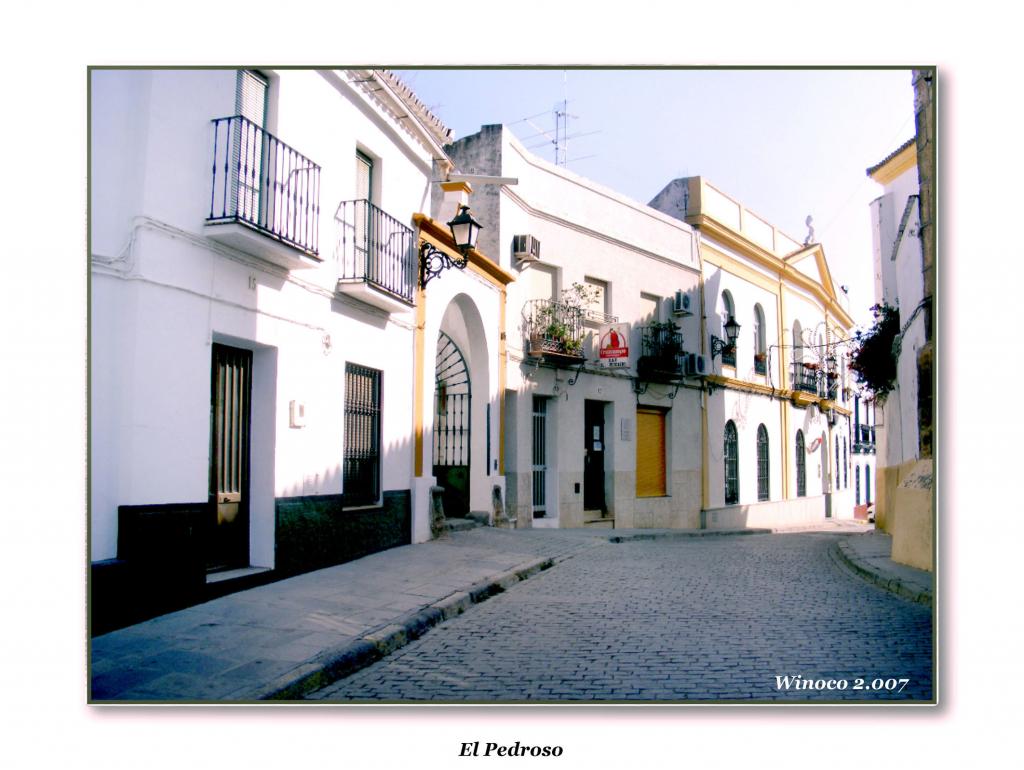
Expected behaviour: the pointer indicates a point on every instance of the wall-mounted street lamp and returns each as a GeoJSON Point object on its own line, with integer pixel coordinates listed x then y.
{"type": "Point", "coordinates": [465, 230]}
{"type": "Point", "coordinates": [732, 331]}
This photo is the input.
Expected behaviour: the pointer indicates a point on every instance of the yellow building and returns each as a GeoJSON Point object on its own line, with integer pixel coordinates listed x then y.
{"type": "Point", "coordinates": [776, 412]}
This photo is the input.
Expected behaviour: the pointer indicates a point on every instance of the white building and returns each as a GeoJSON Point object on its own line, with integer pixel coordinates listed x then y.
{"type": "Point", "coordinates": [259, 332]}
{"type": "Point", "coordinates": [590, 440]}
{"type": "Point", "coordinates": [904, 486]}
{"type": "Point", "coordinates": [776, 422]}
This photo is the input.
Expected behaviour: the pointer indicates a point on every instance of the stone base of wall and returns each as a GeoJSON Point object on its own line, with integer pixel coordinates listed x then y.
{"type": "Point", "coordinates": [799, 512]}
{"type": "Point", "coordinates": [318, 531]}
{"type": "Point", "coordinates": [912, 516]}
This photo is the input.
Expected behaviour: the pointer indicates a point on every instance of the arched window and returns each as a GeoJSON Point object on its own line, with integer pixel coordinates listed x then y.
{"type": "Point", "coordinates": [763, 491]}
{"type": "Point", "coordinates": [836, 442]}
{"type": "Point", "coordinates": [732, 465]}
{"type": "Point", "coordinates": [760, 343]}
{"type": "Point", "coordinates": [856, 483]}
{"type": "Point", "coordinates": [801, 470]}
{"type": "Point", "coordinates": [867, 484]}
{"type": "Point", "coordinates": [728, 311]}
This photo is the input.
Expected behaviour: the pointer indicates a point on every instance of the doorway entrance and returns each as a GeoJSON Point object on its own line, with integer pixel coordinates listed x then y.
{"type": "Point", "coordinates": [593, 462]}
{"type": "Point", "coordinates": [452, 400]}
{"type": "Point", "coordinates": [227, 530]}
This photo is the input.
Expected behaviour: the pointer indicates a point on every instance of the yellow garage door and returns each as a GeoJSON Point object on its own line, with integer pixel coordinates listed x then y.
{"type": "Point", "coordinates": [650, 453]}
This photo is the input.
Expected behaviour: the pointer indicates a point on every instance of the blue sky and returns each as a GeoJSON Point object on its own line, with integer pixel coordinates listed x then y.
{"type": "Point", "coordinates": [786, 143]}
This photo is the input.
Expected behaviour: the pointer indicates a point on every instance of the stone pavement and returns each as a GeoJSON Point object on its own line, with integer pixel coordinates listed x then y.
{"type": "Point", "coordinates": [286, 639]}
{"type": "Point", "coordinates": [772, 618]}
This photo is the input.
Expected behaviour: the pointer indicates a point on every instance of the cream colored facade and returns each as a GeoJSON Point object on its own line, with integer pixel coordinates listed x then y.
{"type": "Point", "coordinates": [780, 384]}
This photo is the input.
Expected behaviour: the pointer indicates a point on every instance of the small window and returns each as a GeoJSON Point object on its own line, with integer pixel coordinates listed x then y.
{"type": "Point", "coordinates": [801, 468]}
{"type": "Point", "coordinates": [836, 442]}
{"type": "Point", "coordinates": [760, 343]}
{"type": "Point", "coordinates": [732, 465]}
{"type": "Point", "coordinates": [364, 177]}
{"type": "Point", "coordinates": [798, 343]}
{"type": "Point", "coordinates": [763, 491]}
{"type": "Point", "coordinates": [867, 484]}
{"type": "Point", "coordinates": [598, 309]}
{"type": "Point", "coordinates": [362, 435]}
{"type": "Point", "coordinates": [846, 461]}
{"type": "Point", "coordinates": [856, 483]}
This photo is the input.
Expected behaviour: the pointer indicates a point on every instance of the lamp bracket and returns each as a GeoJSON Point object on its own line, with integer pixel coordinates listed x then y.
{"type": "Point", "coordinates": [433, 261]}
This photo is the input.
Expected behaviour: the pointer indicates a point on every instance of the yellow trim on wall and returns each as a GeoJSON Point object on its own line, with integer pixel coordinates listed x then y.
{"type": "Point", "coordinates": [418, 365]}
{"type": "Point", "coordinates": [902, 161]}
{"type": "Point", "coordinates": [727, 263]}
{"type": "Point", "coordinates": [783, 268]}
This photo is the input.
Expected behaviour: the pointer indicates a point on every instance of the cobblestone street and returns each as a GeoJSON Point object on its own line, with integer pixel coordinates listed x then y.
{"type": "Point", "coordinates": [670, 620]}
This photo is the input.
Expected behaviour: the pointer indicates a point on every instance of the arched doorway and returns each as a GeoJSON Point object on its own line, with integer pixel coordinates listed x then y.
{"type": "Point", "coordinates": [452, 425]}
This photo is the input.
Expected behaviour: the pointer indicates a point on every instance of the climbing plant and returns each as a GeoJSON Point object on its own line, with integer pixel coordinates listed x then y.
{"type": "Point", "coordinates": [873, 359]}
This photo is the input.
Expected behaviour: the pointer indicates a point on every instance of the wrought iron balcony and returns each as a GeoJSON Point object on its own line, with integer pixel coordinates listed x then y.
{"type": "Point", "coordinates": [661, 353]}
{"type": "Point", "coordinates": [554, 330]}
{"type": "Point", "coordinates": [262, 183]}
{"type": "Point", "coordinates": [375, 249]}
{"type": "Point", "coordinates": [729, 355]}
{"type": "Point", "coordinates": [864, 439]}
{"type": "Point", "coordinates": [805, 378]}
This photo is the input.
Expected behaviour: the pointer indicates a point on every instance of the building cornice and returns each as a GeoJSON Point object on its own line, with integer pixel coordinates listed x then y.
{"type": "Point", "coordinates": [902, 159]}
{"type": "Point", "coordinates": [784, 268]}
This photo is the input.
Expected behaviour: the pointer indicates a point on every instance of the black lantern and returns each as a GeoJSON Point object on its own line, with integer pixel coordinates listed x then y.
{"type": "Point", "coordinates": [732, 333]}
{"type": "Point", "coordinates": [464, 230]}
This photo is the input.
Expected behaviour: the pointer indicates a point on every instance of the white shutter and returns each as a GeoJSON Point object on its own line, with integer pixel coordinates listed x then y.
{"type": "Point", "coordinates": [251, 97]}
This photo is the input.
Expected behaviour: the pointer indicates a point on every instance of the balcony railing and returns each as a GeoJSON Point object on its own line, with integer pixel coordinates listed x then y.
{"type": "Point", "coordinates": [810, 379]}
{"type": "Point", "coordinates": [376, 248]}
{"type": "Point", "coordinates": [553, 329]}
{"type": "Point", "coordinates": [661, 353]}
{"type": "Point", "coordinates": [805, 378]}
{"type": "Point", "coordinates": [261, 182]}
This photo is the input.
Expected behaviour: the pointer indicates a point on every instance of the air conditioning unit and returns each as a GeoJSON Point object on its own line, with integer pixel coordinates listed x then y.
{"type": "Point", "coordinates": [696, 365]}
{"type": "Point", "coordinates": [525, 248]}
{"type": "Point", "coordinates": [681, 303]}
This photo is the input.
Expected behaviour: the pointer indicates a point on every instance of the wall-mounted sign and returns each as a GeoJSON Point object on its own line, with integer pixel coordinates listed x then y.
{"type": "Point", "coordinates": [613, 347]}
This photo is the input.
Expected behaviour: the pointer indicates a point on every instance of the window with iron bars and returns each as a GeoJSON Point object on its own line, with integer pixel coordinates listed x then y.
{"type": "Point", "coordinates": [763, 490]}
{"type": "Point", "coordinates": [801, 467]}
{"type": "Point", "coordinates": [732, 465]}
{"type": "Point", "coordinates": [362, 435]}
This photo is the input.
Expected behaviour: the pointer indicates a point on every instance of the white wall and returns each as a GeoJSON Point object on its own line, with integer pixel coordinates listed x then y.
{"type": "Point", "coordinates": [163, 292]}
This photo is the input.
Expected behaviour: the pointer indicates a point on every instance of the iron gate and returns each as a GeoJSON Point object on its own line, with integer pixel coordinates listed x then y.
{"type": "Point", "coordinates": [452, 399]}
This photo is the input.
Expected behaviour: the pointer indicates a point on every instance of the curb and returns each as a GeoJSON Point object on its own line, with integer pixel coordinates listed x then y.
{"type": "Point", "coordinates": [844, 556]}
{"type": "Point", "coordinates": [335, 664]}
{"type": "Point", "coordinates": [686, 534]}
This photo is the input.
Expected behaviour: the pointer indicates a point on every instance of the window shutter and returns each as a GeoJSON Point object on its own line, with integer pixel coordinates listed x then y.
{"type": "Point", "coordinates": [251, 100]}
{"type": "Point", "coordinates": [650, 453]}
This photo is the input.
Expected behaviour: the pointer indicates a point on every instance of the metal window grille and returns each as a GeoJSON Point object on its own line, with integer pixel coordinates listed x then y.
{"type": "Point", "coordinates": [362, 435]}
{"type": "Point", "coordinates": [732, 469]}
{"type": "Point", "coordinates": [453, 399]}
{"type": "Point", "coordinates": [763, 490]}
{"type": "Point", "coordinates": [540, 467]}
{"type": "Point", "coordinates": [867, 484]}
{"type": "Point", "coordinates": [856, 482]}
{"type": "Point", "coordinates": [846, 462]}
{"type": "Point", "coordinates": [836, 442]}
{"type": "Point", "coordinates": [801, 467]}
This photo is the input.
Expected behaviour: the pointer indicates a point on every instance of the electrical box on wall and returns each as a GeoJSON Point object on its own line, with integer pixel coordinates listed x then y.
{"type": "Point", "coordinates": [296, 414]}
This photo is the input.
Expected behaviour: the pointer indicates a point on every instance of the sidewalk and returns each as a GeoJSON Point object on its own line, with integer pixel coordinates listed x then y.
{"type": "Point", "coordinates": [288, 638]}
{"type": "Point", "coordinates": [869, 555]}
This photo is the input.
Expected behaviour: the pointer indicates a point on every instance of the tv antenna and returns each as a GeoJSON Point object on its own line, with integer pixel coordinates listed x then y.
{"type": "Point", "coordinates": [559, 138]}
